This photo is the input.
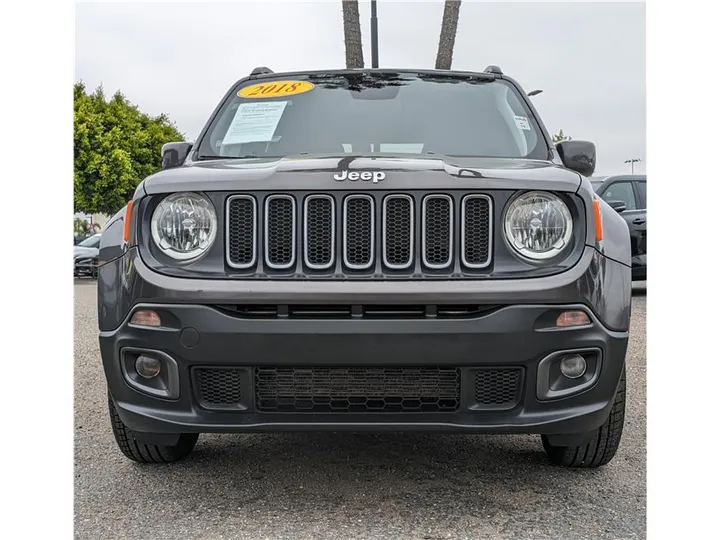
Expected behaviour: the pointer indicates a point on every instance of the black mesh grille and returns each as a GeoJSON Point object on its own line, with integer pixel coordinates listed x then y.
{"type": "Point", "coordinates": [241, 228]}
{"type": "Point", "coordinates": [437, 230]}
{"type": "Point", "coordinates": [359, 220]}
{"type": "Point", "coordinates": [356, 389]}
{"type": "Point", "coordinates": [319, 228]}
{"type": "Point", "coordinates": [280, 233]}
{"type": "Point", "coordinates": [219, 387]}
{"type": "Point", "coordinates": [476, 231]}
{"type": "Point", "coordinates": [498, 387]}
{"type": "Point", "coordinates": [398, 236]}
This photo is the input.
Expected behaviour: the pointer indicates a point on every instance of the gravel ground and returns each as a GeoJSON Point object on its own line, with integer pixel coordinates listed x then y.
{"type": "Point", "coordinates": [425, 487]}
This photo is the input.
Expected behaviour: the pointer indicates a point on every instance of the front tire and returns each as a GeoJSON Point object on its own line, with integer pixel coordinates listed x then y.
{"type": "Point", "coordinates": [603, 445]}
{"type": "Point", "coordinates": [148, 453]}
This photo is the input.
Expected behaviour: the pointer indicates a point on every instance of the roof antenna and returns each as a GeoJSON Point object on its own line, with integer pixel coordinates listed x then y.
{"type": "Point", "coordinates": [373, 33]}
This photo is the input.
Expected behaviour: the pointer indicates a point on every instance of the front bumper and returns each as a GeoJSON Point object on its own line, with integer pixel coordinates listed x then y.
{"type": "Point", "coordinates": [510, 336]}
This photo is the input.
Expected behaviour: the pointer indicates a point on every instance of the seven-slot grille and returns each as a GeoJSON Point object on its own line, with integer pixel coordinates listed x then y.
{"type": "Point", "coordinates": [357, 233]}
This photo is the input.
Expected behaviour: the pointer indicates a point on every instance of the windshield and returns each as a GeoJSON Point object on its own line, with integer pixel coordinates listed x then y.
{"type": "Point", "coordinates": [93, 241]}
{"type": "Point", "coordinates": [375, 113]}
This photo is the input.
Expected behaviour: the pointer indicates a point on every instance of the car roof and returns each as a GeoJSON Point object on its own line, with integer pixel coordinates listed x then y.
{"type": "Point", "coordinates": [450, 73]}
{"type": "Point", "coordinates": [603, 179]}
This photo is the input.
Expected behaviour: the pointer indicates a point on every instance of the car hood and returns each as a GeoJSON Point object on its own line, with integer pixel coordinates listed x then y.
{"type": "Point", "coordinates": [85, 252]}
{"type": "Point", "coordinates": [325, 172]}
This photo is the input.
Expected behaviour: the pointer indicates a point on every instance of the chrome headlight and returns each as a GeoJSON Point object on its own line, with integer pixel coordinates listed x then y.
{"type": "Point", "coordinates": [538, 225]}
{"type": "Point", "coordinates": [184, 225]}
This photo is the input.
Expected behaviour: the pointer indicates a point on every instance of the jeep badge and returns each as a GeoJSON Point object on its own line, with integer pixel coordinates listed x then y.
{"type": "Point", "coordinates": [366, 176]}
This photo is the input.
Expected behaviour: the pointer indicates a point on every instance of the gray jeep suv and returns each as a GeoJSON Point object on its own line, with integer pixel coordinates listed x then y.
{"type": "Point", "coordinates": [387, 250]}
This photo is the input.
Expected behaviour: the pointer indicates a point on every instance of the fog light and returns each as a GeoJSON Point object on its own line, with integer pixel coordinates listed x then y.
{"type": "Point", "coordinates": [573, 366]}
{"type": "Point", "coordinates": [572, 318]}
{"type": "Point", "coordinates": [145, 317]}
{"type": "Point", "coordinates": [147, 366]}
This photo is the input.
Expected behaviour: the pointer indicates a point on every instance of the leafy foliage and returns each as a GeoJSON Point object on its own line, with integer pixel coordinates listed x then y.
{"type": "Point", "coordinates": [116, 146]}
{"type": "Point", "coordinates": [81, 226]}
{"type": "Point", "coordinates": [560, 136]}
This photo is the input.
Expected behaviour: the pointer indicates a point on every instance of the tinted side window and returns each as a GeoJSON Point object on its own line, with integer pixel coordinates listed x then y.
{"type": "Point", "coordinates": [640, 186]}
{"type": "Point", "coordinates": [621, 191]}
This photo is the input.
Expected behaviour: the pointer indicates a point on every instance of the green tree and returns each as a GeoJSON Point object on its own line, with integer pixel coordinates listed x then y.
{"type": "Point", "coordinates": [116, 146]}
{"type": "Point", "coordinates": [81, 226]}
{"type": "Point", "coordinates": [560, 136]}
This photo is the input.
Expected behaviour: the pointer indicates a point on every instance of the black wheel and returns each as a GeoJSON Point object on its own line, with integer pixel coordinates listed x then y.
{"type": "Point", "coordinates": [602, 447]}
{"type": "Point", "coordinates": [148, 453]}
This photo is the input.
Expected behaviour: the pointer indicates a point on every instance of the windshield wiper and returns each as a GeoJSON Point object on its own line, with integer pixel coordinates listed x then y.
{"type": "Point", "coordinates": [203, 158]}
{"type": "Point", "coordinates": [249, 156]}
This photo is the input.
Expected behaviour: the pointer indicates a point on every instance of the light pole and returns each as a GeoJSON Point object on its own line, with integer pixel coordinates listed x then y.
{"type": "Point", "coordinates": [374, 33]}
{"type": "Point", "coordinates": [632, 163]}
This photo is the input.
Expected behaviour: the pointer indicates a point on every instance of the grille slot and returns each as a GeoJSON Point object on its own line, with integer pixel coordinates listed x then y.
{"type": "Point", "coordinates": [498, 388]}
{"type": "Point", "coordinates": [437, 231]}
{"type": "Point", "coordinates": [398, 231]}
{"type": "Point", "coordinates": [280, 225]}
{"type": "Point", "coordinates": [241, 231]}
{"type": "Point", "coordinates": [220, 388]}
{"type": "Point", "coordinates": [358, 232]}
{"type": "Point", "coordinates": [476, 231]}
{"type": "Point", "coordinates": [319, 231]}
{"type": "Point", "coordinates": [356, 389]}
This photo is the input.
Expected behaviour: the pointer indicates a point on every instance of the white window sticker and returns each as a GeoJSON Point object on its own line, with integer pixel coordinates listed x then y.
{"type": "Point", "coordinates": [522, 123]}
{"type": "Point", "coordinates": [255, 122]}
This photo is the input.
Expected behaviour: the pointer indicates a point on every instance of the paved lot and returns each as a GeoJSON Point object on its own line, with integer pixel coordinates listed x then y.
{"type": "Point", "coordinates": [426, 487]}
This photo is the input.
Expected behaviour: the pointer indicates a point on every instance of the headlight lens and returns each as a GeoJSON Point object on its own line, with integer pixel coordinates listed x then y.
{"type": "Point", "coordinates": [184, 225]}
{"type": "Point", "coordinates": [538, 225]}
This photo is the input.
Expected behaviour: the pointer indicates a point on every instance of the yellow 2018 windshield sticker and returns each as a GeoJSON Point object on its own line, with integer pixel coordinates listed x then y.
{"type": "Point", "coordinates": [275, 89]}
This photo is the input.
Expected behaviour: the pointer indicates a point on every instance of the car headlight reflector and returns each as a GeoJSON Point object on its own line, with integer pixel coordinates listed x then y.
{"type": "Point", "coordinates": [538, 225]}
{"type": "Point", "coordinates": [184, 225]}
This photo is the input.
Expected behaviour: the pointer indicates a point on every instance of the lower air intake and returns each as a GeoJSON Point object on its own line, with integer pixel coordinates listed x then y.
{"type": "Point", "coordinates": [498, 388]}
{"type": "Point", "coordinates": [356, 389]}
{"type": "Point", "coordinates": [220, 388]}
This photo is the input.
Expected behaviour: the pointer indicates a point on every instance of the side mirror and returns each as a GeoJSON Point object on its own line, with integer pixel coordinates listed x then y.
{"type": "Point", "coordinates": [174, 154]}
{"type": "Point", "coordinates": [578, 156]}
{"type": "Point", "coordinates": [618, 206]}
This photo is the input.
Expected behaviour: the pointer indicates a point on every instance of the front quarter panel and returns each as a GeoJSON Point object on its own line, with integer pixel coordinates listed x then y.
{"type": "Point", "coordinates": [616, 243]}
{"type": "Point", "coordinates": [116, 270]}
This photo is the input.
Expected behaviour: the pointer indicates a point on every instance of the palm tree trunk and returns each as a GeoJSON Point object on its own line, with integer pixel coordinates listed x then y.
{"type": "Point", "coordinates": [447, 34]}
{"type": "Point", "coordinates": [353, 37]}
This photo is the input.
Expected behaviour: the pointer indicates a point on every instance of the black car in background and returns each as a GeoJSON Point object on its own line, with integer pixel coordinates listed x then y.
{"type": "Point", "coordinates": [626, 194]}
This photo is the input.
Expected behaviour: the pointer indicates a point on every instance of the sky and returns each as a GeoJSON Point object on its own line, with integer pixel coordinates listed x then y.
{"type": "Point", "coordinates": [181, 58]}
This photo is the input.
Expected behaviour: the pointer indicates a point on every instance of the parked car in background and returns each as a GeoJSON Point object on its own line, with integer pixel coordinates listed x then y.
{"type": "Point", "coordinates": [626, 194]}
{"type": "Point", "coordinates": [86, 256]}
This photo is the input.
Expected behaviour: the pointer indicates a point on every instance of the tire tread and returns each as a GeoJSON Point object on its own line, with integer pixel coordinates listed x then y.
{"type": "Point", "coordinates": [147, 453]}
{"type": "Point", "coordinates": [604, 444]}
